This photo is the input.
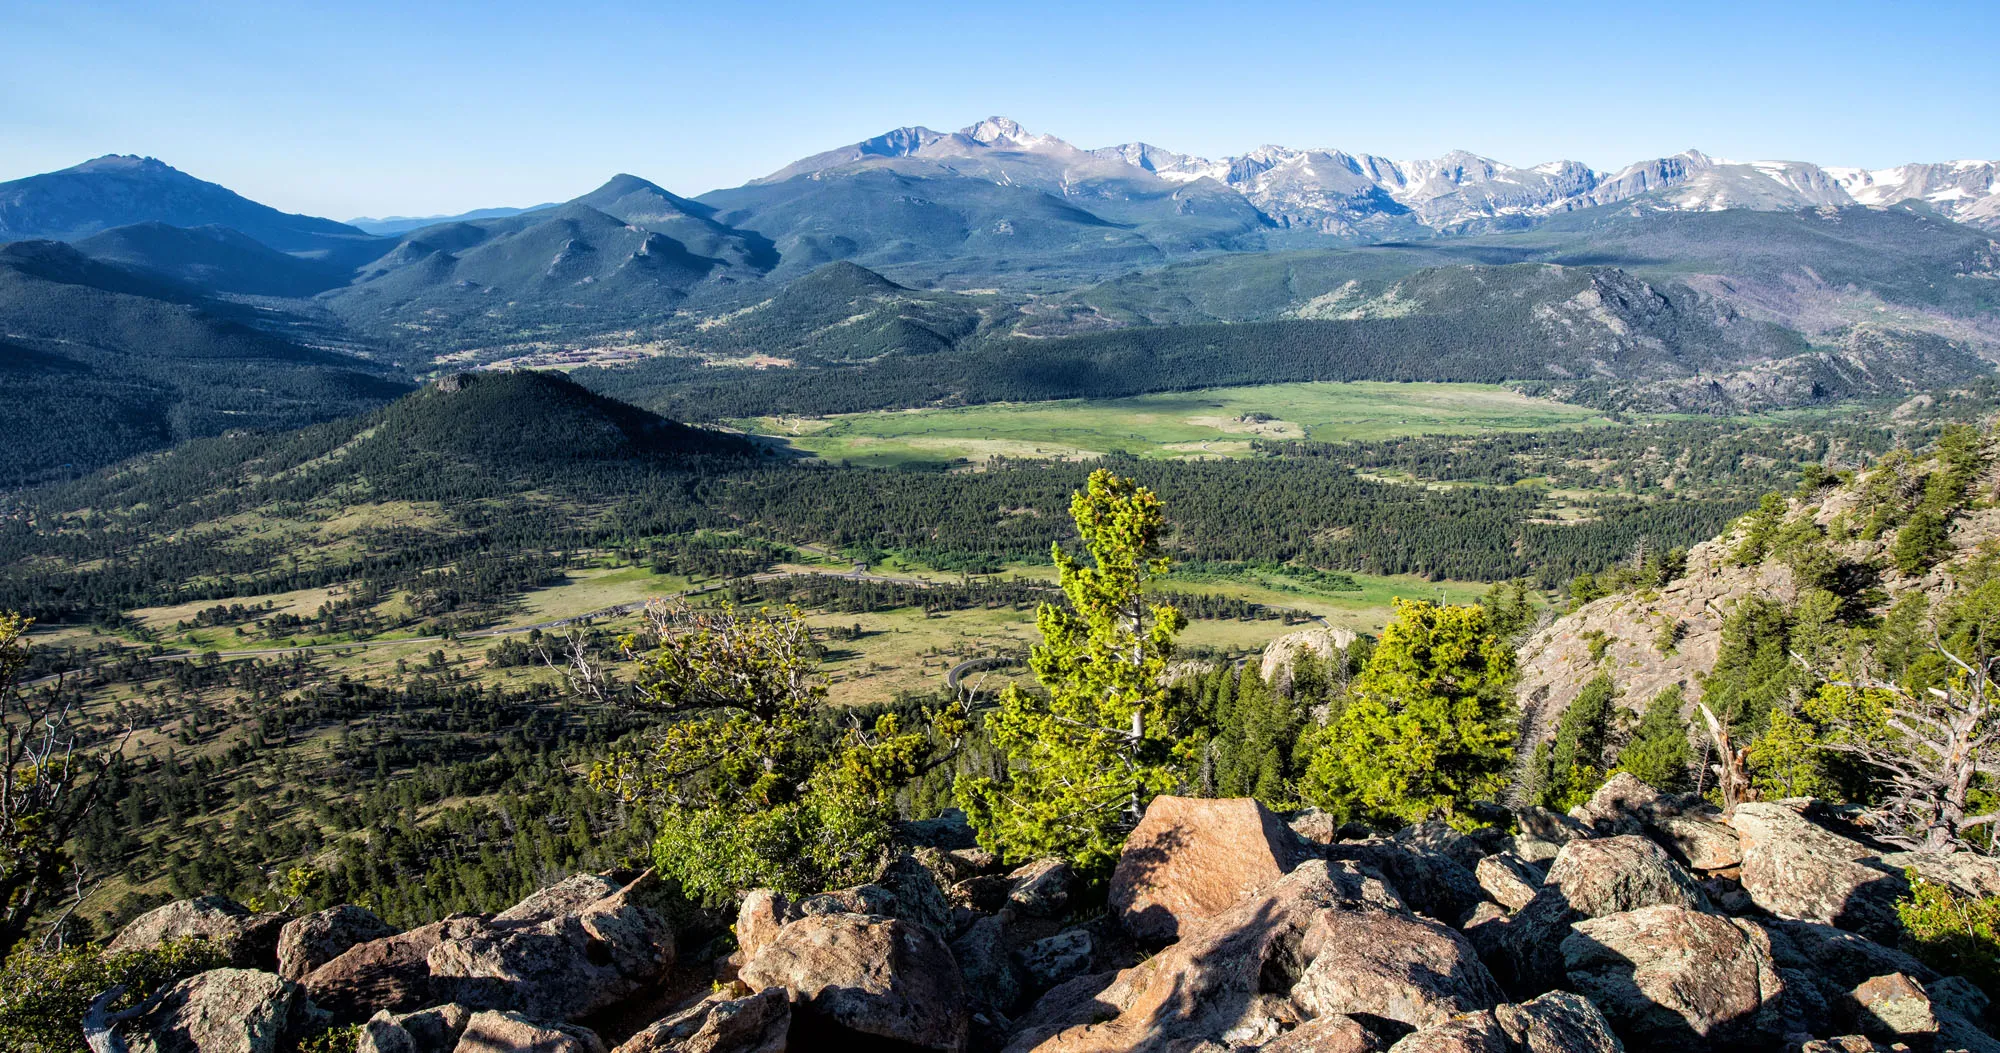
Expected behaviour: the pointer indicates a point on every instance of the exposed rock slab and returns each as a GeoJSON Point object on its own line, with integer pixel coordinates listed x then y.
{"type": "Point", "coordinates": [250, 940]}
{"type": "Point", "coordinates": [307, 943]}
{"type": "Point", "coordinates": [852, 975]}
{"type": "Point", "coordinates": [1671, 978]}
{"type": "Point", "coordinates": [754, 1024]}
{"type": "Point", "coordinates": [219, 1011]}
{"type": "Point", "coordinates": [1192, 859]}
{"type": "Point", "coordinates": [1795, 869]}
{"type": "Point", "coordinates": [505, 1032]}
{"type": "Point", "coordinates": [391, 974]}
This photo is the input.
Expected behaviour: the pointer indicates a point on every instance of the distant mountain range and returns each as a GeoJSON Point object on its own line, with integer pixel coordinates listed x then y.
{"type": "Point", "coordinates": [1335, 192]}
{"type": "Point", "coordinates": [993, 262]}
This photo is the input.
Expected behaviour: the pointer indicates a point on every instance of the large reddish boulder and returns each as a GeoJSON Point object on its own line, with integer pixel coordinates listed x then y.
{"type": "Point", "coordinates": [856, 978]}
{"type": "Point", "coordinates": [391, 974]}
{"type": "Point", "coordinates": [495, 1032]}
{"type": "Point", "coordinates": [219, 1011]}
{"type": "Point", "coordinates": [1192, 859]}
{"type": "Point", "coordinates": [1391, 965]}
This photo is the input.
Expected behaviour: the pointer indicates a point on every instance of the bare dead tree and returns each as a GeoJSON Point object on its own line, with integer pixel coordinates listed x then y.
{"type": "Point", "coordinates": [588, 679]}
{"type": "Point", "coordinates": [1926, 748]}
{"type": "Point", "coordinates": [48, 786]}
{"type": "Point", "coordinates": [1732, 766]}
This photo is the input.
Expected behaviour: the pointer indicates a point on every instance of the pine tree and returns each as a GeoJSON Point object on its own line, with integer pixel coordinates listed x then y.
{"type": "Point", "coordinates": [1086, 757]}
{"type": "Point", "coordinates": [1659, 754]}
{"type": "Point", "coordinates": [1573, 762]}
{"type": "Point", "coordinates": [1428, 729]}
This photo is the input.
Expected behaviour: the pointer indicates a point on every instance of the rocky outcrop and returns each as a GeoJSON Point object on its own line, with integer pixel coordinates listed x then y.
{"type": "Point", "coordinates": [250, 940]}
{"type": "Point", "coordinates": [1615, 874]}
{"type": "Point", "coordinates": [1327, 644]}
{"type": "Point", "coordinates": [219, 1011]}
{"type": "Point", "coordinates": [1429, 882]}
{"type": "Point", "coordinates": [856, 978]}
{"type": "Point", "coordinates": [756, 1023]}
{"type": "Point", "coordinates": [1510, 880]}
{"type": "Point", "coordinates": [307, 943]}
{"type": "Point", "coordinates": [1558, 1022]}
{"type": "Point", "coordinates": [564, 967]}
{"type": "Point", "coordinates": [1041, 889]}
{"type": "Point", "coordinates": [1192, 859]}
{"type": "Point", "coordinates": [1672, 978]}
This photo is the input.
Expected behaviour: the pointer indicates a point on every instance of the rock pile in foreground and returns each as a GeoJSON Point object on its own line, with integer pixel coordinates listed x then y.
{"type": "Point", "coordinates": [1640, 921]}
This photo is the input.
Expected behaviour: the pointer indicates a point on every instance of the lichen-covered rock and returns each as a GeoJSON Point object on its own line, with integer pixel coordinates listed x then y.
{"type": "Point", "coordinates": [861, 899]}
{"type": "Point", "coordinates": [853, 975]}
{"type": "Point", "coordinates": [1617, 806]}
{"type": "Point", "coordinates": [1895, 1007]}
{"type": "Point", "coordinates": [1042, 888]}
{"type": "Point", "coordinates": [991, 980]}
{"type": "Point", "coordinates": [563, 968]}
{"type": "Point", "coordinates": [250, 940]}
{"type": "Point", "coordinates": [434, 1030]}
{"type": "Point", "coordinates": [506, 1032]}
{"type": "Point", "coordinates": [721, 1024]}
{"type": "Point", "coordinates": [1558, 1022]}
{"type": "Point", "coordinates": [219, 1011]}
{"type": "Point", "coordinates": [1192, 859]}
{"type": "Point", "coordinates": [307, 943]}
{"type": "Point", "coordinates": [391, 974]}
{"type": "Point", "coordinates": [1366, 960]}
{"type": "Point", "coordinates": [1668, 977]}
{"type": "Point", "coordinates": [1048, 962]}
{"type": "Point", "coordinates": [1610, 875]}
{"type": "Point", "coordinates": [1508, 879]}
{"type": "Point", "coordinates": [1553, 827]}
{"type": "Point", "coordinates": [1084, 1000]}
{"type": "Point", "coordinates": [1795, 869]}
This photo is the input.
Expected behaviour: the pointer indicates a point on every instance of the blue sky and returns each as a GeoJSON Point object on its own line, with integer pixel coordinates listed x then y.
{"type": "Point", "coordinates": [366, 108]}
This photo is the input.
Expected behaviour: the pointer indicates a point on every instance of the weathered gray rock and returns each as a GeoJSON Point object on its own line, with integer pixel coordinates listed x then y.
{"type": "Point", "coordinates": [563, 968]}
{"type": "Point", "coordinates": [991, 980]}
{"type": "Point", "coordinates": [506, 1032]}
{"type": "Point", "coordinates": [757, 1023]}
{"type": "Point", "coordinates": [219, 1011]}
{"type": "Point", "coordinates": [1048, 962]}
{"type": "Point", "coordinates": [1553, 827]}
{"type": "Point", "coordinates": [1558, 1022]}
{"type": "Point", "coordinates": [390, 974]}
{"type": "Point", "coordinates": [1967, 873]}
{"type": "Point", "coordinates": [948, 831]}
{"type": "Point", "coordinates": [1365, 960]}
{"type": "Point", "coordinates": [861, 899]}
{"type": "Point", "coordinates": [1041, 888]}
{"type": "Point", "coordinates": [1508, 879]}
{"type": "Point", "coordinates": [1669, 977]}
{"type": "Point", "coordinates": [250, 940]}
{"type": "Point", "coordinates": [1076, 1003]}
{"type": "Point", "coordinates": [434, 1030]}
{"type": "Point", "coordinates": [1192, 859]}
{"type": "Point", "coordinates": [307, 943]}
{"type": "Point", "coordinates": [1795, 869]}
{"type": "Point", "coordinates": [852, 975]}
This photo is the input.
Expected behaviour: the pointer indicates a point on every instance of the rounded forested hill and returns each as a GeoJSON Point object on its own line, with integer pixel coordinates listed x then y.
{"type": "Point", "coordinates": [538, 417]}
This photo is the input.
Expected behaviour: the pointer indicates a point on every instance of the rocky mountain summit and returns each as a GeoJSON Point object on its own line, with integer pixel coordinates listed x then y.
{"type": "Point", "coordinates": [1331, 191]}
{"type": "Point", "coordinates": [1638, 921]}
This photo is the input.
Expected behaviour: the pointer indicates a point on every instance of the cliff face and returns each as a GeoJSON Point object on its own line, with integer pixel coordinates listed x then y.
{"type": "Point", "coordinates": [1627, 628]}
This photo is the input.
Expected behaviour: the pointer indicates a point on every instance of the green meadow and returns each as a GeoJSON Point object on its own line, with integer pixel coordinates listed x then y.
{"type": "Point", "coordinates": [1218, 422]}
